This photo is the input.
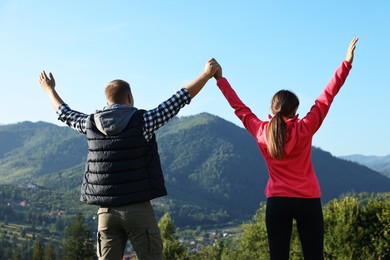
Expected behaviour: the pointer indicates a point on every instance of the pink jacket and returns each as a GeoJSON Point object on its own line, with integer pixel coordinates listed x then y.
{"type": "Point", "coordinates": [293, 176]}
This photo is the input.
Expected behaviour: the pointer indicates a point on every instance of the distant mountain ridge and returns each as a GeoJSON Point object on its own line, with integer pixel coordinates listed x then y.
{"type": "Point", "coordinates": [377, 163]}
{"type": "Point", "coordinates": [213, 169]}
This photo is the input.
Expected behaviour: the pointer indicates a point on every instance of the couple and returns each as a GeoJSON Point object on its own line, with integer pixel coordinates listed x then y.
{"type": "Point", "coordinates": [123, 170]}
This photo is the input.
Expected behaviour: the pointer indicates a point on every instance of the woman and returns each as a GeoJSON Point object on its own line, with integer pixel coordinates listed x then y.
{"type": "Point", "coordinates": [292, 191]}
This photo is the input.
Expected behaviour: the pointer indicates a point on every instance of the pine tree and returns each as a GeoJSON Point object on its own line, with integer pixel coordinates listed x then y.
{"type": "Point", "coordinates": [38, 250]}
{"type": "Point", "coordinates": [167, 227]}
{"type": "Point", "coordinates": [49, 253]}
{"type": "Point", "coordinates": [172, 248]}
{"type": "Point", "coordinates": [78, 243]}
{"type": "Point", "coordinates": [17, 255]}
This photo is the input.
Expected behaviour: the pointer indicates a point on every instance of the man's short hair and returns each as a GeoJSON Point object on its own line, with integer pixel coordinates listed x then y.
{"type": "Point", "coordinates": [117, 91]}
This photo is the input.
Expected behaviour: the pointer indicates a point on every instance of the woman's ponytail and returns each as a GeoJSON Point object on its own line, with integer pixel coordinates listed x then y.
{"type": "Point", "coordinates": [276, 136]}
{"type": "Point", "coordinates": [284, 104]}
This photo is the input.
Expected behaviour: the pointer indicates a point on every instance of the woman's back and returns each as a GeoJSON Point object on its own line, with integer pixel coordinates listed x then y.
{"type": "Point", "coordinates": [292, 175]}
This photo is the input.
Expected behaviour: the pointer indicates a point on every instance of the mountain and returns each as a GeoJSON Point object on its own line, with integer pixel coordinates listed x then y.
{"type": "Point", "coordinates": [31, 150]}
{"type": "Point", "coordinates": [377, 163]}
{"type": "Point", "coordinates": [213, 169]}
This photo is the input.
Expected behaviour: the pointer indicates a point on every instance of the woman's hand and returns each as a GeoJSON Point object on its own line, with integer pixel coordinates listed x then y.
{"type": "Point", "coordinates": [351, 50]}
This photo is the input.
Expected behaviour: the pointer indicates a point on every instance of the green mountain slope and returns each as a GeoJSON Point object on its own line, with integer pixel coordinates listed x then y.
{"type": "Point", "coordinates": [30, 150]}
{"type": "Point", "coordinates": [209, 160]}
{"type": "Point", "coordinates": [213, 169]}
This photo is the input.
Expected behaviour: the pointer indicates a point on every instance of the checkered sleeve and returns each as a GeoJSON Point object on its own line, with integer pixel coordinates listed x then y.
{"type": "Point", "coordinates": [156, 118]}
{"type": "Point", "coordinates": [74, 119]}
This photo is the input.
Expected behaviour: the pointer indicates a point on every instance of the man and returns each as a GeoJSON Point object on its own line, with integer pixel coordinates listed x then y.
{"type": "Point", "coordinates": [123, 171]}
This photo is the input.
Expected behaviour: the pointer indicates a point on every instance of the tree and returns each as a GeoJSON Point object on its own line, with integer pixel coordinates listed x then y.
{"type": "Point", "coordinates": [78, 243]}
{"type": "Point", "coordinates": [254, 241]}
{"type": "Point", "coordinates": [38, 250]}
{"type": "Point", "coordinates": [357, 227]}
{"type": "Point", "coordinates": [219, 251]}
{"type": "Point", "coordinates": [17, 255]}
{"type": "Point", "coordinates": [49, 253]}
{"type": "Point", "coordinates": [376, 228]}
{"type": "Point", "coordinates": [172, 249]}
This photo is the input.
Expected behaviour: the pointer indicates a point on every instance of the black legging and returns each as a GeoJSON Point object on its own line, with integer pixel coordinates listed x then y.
{"type": "Point", "coordinates": [280, 213]}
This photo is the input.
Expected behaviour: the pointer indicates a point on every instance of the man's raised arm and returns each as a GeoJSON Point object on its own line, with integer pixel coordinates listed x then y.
{"type": "Point", "coordinates": [48, 85]}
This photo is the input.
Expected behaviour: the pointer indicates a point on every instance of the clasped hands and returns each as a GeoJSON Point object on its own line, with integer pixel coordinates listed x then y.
{"type": "Point", "coordinates": [213, 69]}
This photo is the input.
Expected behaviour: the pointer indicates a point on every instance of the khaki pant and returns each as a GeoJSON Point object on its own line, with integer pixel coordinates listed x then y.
{"type": "Point", "coordinates": [135, 222]}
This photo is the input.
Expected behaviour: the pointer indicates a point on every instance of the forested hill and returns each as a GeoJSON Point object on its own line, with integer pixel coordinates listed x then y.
{"type": "Point", "coordinates": [213, 169]}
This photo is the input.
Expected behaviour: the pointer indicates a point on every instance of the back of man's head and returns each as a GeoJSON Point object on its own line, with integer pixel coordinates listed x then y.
{"type": "Point", "coordinates": [118, 92]}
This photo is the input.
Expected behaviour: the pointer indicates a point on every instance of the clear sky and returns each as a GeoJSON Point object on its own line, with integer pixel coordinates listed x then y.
{"type": "Point", "coordinates": [159, 46]}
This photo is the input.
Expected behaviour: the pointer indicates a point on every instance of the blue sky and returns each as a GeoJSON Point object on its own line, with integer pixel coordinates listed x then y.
{"type": "Point", "coordinates": [159, 46]}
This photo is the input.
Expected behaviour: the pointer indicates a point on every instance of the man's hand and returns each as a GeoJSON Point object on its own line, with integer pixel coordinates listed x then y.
{"type": "Point", "coordinates": [351, 50]}
{"type": "Point", "coordinates": [211, 68]}
{"type": "Point", "coordinates": [209, 71]}
{"type": "Point", "coordinates": [47, 83]}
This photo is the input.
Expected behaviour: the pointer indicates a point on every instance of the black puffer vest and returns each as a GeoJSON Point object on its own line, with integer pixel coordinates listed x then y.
{"type": "Point", "coordinates": [121, 169]}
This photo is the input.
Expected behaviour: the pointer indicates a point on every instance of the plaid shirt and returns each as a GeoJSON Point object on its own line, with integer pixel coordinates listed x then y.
{"type": "Point", "coordinates": [152, 119]}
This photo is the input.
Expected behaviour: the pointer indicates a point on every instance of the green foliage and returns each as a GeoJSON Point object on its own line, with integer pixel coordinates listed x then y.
{"type": "Point", "coordinates": [78, 244]}
{"type": "Point", "coordinates": [38, 250]}
{"type": "Point", "coordinates": [340, 221]}
{"type": "Point", "coordinates": [49, 253]}
{"type": "Point", "coordinates": [254, 241]}
{"type": "Point", "coordinates": [219, 251]}
{"type": "Point", "coordinates": [30, 213]}
{"type": "Point", "coordinates": [167, 227]}
{"type": "Point", "coordinates": [33, 150]}
{"type": "Point", "coordinates": [357, 227]}
{"type": "Point", "coordinates": [172, 248]}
